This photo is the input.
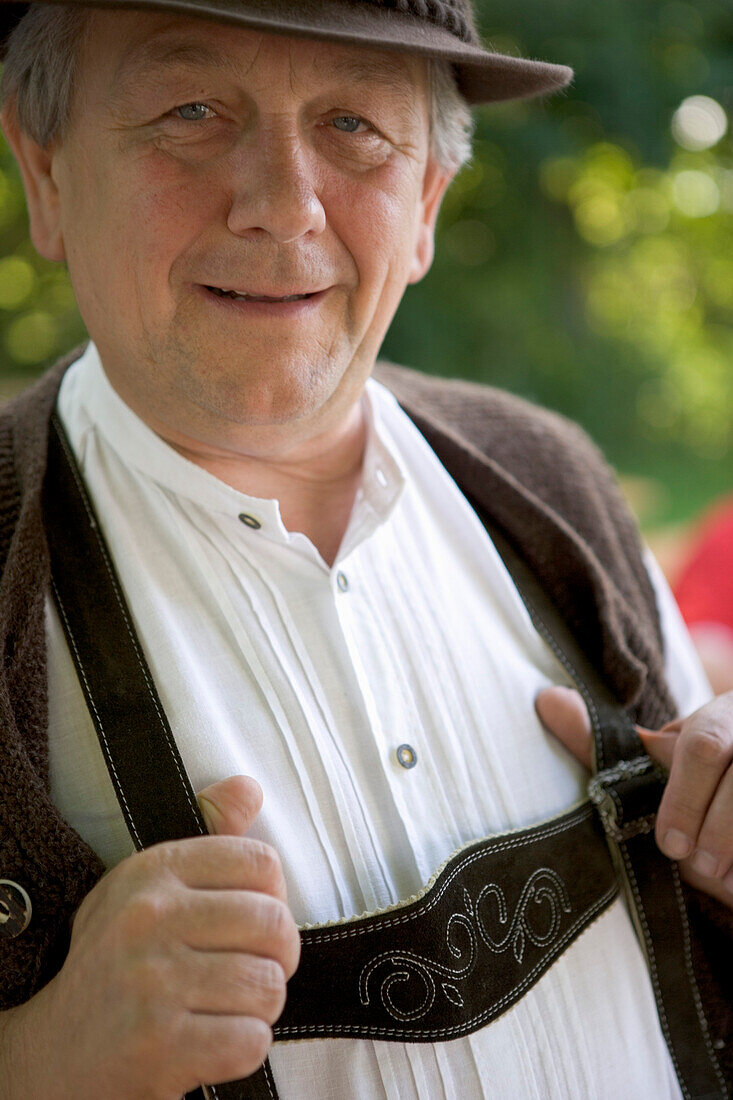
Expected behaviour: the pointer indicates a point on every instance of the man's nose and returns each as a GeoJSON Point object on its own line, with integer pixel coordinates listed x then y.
{"type": "Point", "coordinates": [276, 191]}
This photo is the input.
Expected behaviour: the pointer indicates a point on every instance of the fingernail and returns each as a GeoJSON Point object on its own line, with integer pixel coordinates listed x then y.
{"type": "Point", "coordinates": [676, 844]}
{"type": "Point", "coordinates": [212, 815]}
{"type": "Point", "coordinates": [705, 864]}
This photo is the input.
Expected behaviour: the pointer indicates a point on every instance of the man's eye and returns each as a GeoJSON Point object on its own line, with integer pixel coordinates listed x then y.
{"type": "Point", "coordinates": [193, 112]}
{"type": "Point", "coordinates": [348, 124]}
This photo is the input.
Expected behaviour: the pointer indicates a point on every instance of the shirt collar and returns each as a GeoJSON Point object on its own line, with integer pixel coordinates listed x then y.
{"type": "Point", "coordinates": [141, 449]}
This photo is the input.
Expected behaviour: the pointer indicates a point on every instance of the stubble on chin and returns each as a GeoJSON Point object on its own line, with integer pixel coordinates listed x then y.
{"type": "Point", "coordinates": [245, 386]}
{"type": "Point", "coordinates": [270, 381]}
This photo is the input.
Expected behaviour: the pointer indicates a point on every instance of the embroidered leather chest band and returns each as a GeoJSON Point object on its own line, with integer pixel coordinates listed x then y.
{"type": "Point", "coordinates": [486, 928]}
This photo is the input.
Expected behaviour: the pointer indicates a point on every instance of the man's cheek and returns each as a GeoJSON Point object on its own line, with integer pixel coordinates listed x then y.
{"type": "Point", "coordinates": [165, 199]}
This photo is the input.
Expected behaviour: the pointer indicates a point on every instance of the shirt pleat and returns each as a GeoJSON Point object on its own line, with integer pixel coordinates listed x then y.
{"type": "Point", "coordinates": [260, 676]}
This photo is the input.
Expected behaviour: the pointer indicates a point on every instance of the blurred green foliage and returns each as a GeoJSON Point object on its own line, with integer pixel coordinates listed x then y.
{"type": "Point", "coordinates": [584, 258]}
{"type": "Point", "coordinates": [38, 316]}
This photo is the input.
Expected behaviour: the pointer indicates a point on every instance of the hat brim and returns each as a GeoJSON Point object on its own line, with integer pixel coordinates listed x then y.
{"type": "Point", "coordinates": [483, 76]}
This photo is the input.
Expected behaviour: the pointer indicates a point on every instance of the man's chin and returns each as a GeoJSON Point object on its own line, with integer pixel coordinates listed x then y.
{"type": "Point", "coordinates": [279, 396]}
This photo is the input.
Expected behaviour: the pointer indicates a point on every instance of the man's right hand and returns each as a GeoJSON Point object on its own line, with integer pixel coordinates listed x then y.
{"type": "Point", "coordinates": [176, 970]}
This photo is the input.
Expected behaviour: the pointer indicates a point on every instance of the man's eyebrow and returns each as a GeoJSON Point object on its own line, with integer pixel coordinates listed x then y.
{"type": "Point", "coordinates": [152, 55]}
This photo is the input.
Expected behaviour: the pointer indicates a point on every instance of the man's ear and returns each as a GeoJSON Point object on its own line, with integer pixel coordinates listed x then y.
{"type": "Point", "coordinates": [41, 193]}
{"type": "Point", "coordinates": [435, 184]}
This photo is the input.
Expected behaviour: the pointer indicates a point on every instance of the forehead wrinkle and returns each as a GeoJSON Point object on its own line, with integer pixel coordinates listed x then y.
{"type": "Point", "coordinates": [166, 52]}
{"type": "Point", "coordinates": [153, 56]}
{"type": "Point", "coordinates": [369, 67]}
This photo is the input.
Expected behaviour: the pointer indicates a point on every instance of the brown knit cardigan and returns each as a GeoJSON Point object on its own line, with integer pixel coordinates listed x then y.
{"type": "Point", "coordinates": [532, 471]}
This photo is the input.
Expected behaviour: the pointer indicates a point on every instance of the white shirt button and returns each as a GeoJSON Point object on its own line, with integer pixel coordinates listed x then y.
{"type": "Point", "coordinates": [406, 756]}
{"type": "Point", "coordinates": [250, 521]}
{"type": "Point", "coordinates": [342, 581]}
{"type": "Point", "coordinates": [381, 477]}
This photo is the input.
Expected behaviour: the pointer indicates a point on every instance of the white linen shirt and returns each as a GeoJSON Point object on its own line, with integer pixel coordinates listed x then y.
{"type": "Point", "coordinates": [270, 663]}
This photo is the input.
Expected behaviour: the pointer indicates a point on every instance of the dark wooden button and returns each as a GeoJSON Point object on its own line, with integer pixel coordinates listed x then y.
{"type": "Point", "coordinates": [15, 909]}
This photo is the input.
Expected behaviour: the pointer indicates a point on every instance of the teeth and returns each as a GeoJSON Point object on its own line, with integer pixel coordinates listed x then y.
{"type": "Point", "coordinates": [256, 297]}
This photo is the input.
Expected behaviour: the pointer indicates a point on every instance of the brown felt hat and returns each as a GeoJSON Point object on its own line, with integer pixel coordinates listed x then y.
{"type": "Point", "coordinates": [432, 28]}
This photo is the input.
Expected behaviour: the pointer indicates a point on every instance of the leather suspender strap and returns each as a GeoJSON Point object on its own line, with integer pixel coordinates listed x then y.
{"type": "Point", "coordinates": [150, 781]}
{"type": "Point", "coordinates": [129, 718]}
{"type": "Point", "coordinates": [260, 1086]}
{"type": "Point", "coordinates": [627, 787]}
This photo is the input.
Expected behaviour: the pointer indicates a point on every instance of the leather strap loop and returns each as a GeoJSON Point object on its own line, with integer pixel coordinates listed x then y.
{"type": "Point", "coordinates": [627, 797]}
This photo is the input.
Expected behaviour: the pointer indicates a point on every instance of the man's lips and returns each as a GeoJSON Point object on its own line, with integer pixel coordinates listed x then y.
{"type": "Point", "coordinates": [252, 296]}
{"type": "Point", "coordinates": [288, 305]}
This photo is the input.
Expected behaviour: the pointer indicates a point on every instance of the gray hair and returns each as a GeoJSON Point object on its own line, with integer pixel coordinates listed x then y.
{"type": "Point", "coordinates": [41, 67]}
{"type": "Point", "coordinates": [451, 121]}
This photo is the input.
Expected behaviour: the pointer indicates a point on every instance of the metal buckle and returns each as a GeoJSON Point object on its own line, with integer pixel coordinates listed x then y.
{"type": "Point", "coordinates": [604, 794]}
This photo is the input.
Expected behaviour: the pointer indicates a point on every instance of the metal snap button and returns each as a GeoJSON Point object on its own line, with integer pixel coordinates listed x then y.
{"type": "Point", "coordinates": [250, 521]}
{"type": "Point", "coordinates": [342, 581]}
{"type": "Point", "coordinates": [406, 756]}
{"type": "Point", "coordinates": [15, 909]}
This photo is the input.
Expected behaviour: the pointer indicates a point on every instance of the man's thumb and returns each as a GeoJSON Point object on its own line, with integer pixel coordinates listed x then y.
{"type": "Point", "coordinates": [563, 712]}
{"type": "Point", "coordinates": [231, 805]}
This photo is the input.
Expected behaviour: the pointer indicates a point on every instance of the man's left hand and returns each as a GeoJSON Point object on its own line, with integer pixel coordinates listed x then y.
{"type": "Point", "coordinates": [695, 818]}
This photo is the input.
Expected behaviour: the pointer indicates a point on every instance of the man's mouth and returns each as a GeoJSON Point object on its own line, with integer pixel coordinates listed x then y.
{"type": "Point", "coordinates": [222, 293]}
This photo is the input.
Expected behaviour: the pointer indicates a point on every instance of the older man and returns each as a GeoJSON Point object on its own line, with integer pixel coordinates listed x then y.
{"type": "Point", "coordinates": [242, 200]}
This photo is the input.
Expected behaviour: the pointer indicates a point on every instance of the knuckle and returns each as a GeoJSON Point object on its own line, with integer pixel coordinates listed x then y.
{"type": "Point", "coordinates": [144, 914]}
{"type": "Point", "coordinates": [275, 917]}
{"type": "Point", "coordinates": [150, 1029]}
{"type": "Point", "coordinates": [257, 1044]}
{"type": "Point", "coordinates": [282, 934]}
{"type": "Point", "coordinates": [707, 744]}
{"type": "Point", "coordinates": [678, 809]}
{"type": "Point", "coordinates": [246, 1050]}
{"type": "Point", "coordinates": [292, 949]}
{"type": "Point", "coordinates": [160, 859]}
{"type": "Point", "coordinates": [271, 977]}
{"type": "Point", "coordinates": [268, 865]}
{"type": "Point", "coordinates": [717, 840]}
{"type": "Point", "coordinates": [144, 982]}
{"type": "Point", "coordinates": [269, 982]}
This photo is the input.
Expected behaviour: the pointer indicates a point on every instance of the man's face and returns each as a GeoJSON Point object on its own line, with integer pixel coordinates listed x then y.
{"type": "Point", "coordinates": [204, 158]}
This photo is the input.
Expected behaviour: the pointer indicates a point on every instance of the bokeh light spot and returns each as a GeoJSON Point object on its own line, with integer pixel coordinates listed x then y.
{"type": "Point", "coordinates": [696, 194]}
{"type": "Point", "coordinates": [699, 123]}
{"type": "Point", "coordinates": [601, 220]}
{"type": "Point", "coordinates": [31, 338]}
{"type": "Point", "coordinates": [17, 281]}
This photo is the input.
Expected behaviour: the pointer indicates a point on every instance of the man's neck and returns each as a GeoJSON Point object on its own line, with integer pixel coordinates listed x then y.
{"type": "Point", "coordinates": [315, 483]}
